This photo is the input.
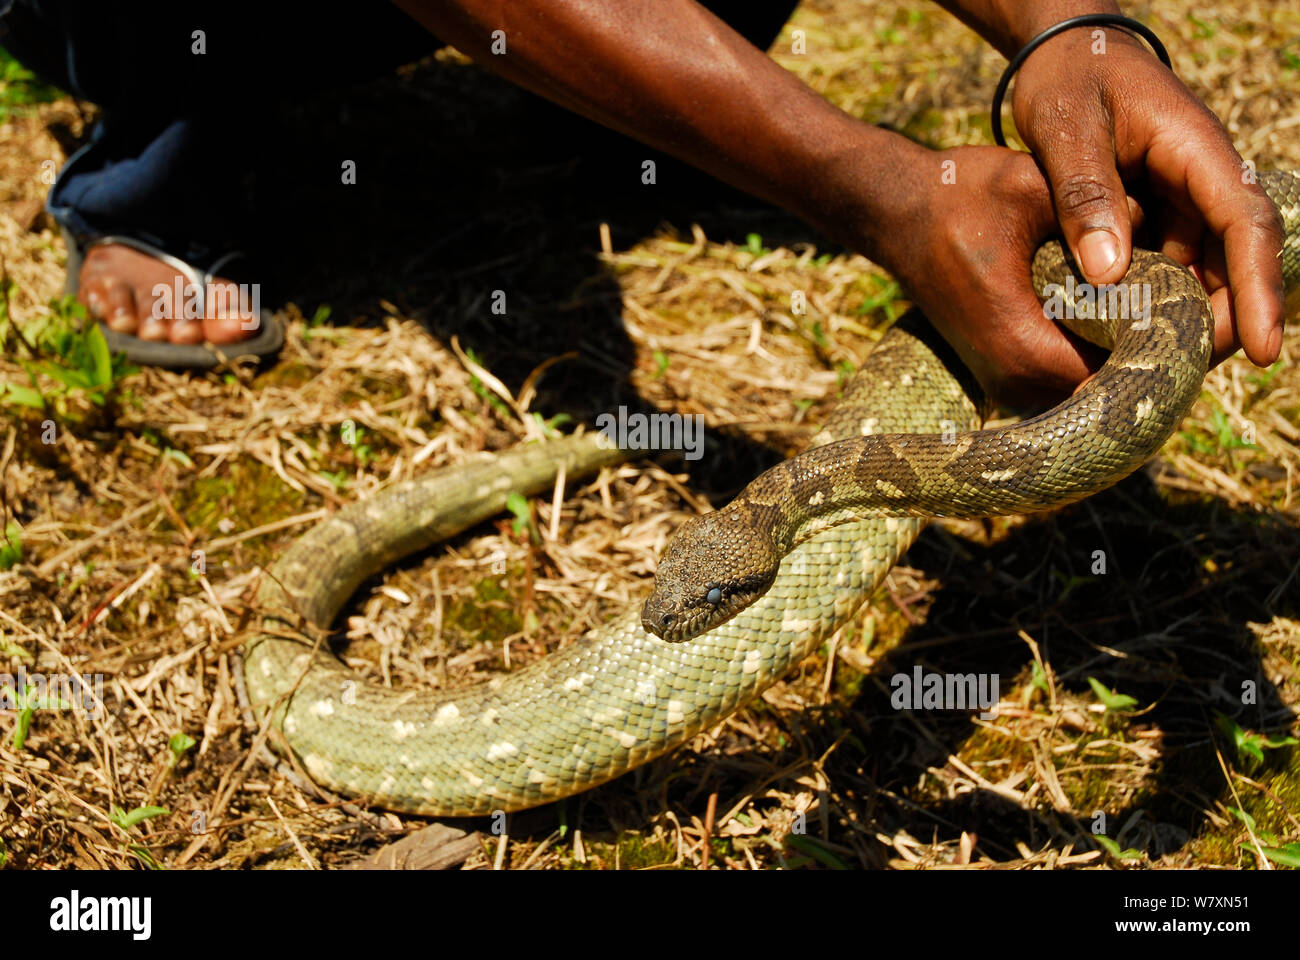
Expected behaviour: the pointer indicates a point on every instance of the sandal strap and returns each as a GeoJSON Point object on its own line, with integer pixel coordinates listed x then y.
{"type": "Point", "coordinates": [197, 277]}
{"type": "Point", "coordinates": [188, 270]}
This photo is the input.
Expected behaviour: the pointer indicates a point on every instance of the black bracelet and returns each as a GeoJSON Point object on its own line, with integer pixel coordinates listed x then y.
{"type": "Point", "coordinates": [1087, 20]}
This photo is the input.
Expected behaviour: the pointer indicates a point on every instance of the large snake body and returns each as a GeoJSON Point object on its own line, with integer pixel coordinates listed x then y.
{"type": "Point", "coordinates": [776, 574]}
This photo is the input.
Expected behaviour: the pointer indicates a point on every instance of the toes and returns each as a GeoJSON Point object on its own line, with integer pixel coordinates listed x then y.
{"type": "Point", "coordinates": [186, 332]}
{"type": "Point", "coordinates": [153, 328]}
{"type": "Point", "coordinates": [229, 318]}
{"type": "Point", "coordinates": [230, 329]}
{"type": "Point", "coordinates": [93, 284]}
{"type": "Point", "coordinates": [117, 284]}
{"type": "Point", "coordinates": [92, 296]}
{"type": "Point", "coordinates": [118, 308]}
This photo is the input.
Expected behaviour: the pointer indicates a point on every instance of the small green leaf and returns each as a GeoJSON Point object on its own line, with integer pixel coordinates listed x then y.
{"type": "Point", "coordinates": [143, 854]}
{"type": "Point", "coordinates": [101, 368]}
{"type": "Point", "coordinates": [14, 651]}
{"type": "Point", "coordinates": [11, 547]}
{"type": "Point", "coordinates": [22, 724]}
{"type": "Point", "coordinates": [1112, 848]}
{"type": "Point", "coordinates": [1274, 743]}
{"type": "Point", "coordinates": [1251, 749]}
{"type": "Point", "coordinates": [886, 293]}
{"type": "Point", "coordinates": [24, 396]}
{"type": "Point", "coordinates": [180, 456]}
{"type": "Point", "coordinates": [1109, 698]}
{"type": "Point", "coordinates": [523, 522]}
{"type": "Point", "coordinates": [27, 704]}
{"type": "Point", "coordinates": [550, 427]}
{"type": "Point", "coordinates": [1288, 856]}
{"type": "Point", "coordinates": [1243, 816]}
{"type": "Point", "coordinates": [807, 845]}
{"type": "Point", "coordinates": [338, 479]}
{"type": "Point", "coordinates": [128, 820]}
{"type": "Point", "coordinates": [1039, 678]}
{"type": "Point", "coordinates": [76, 379]}
{"type": "Point", "coordinates": [1250, 744]}
{"type": "Point", "coordinates": [1069, 583]}
{"type": "Point", "coordinates": [178, 743]}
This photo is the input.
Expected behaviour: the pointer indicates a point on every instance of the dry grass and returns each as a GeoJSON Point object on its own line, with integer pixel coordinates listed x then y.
{"type": "Point", "coordinates": [1203, 547]}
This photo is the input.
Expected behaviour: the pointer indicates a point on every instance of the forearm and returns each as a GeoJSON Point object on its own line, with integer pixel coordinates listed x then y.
{"type": "Point", "coordinates": [672, 75]}
{"type": "Point", "coordinates": [1010, 24]}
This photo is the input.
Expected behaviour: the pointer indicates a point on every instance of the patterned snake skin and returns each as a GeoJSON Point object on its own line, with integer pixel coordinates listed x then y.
{"type": "Point", "coordinates": [621, 696]}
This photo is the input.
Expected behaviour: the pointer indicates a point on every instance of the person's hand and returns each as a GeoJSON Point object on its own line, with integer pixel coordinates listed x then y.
{"type": "Point", "coordinates": [1100, 113]}
{"type": "Point", "coordinates": [961, 248]}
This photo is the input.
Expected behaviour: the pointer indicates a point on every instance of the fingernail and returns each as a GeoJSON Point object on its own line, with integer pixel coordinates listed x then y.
{"type": "Point", "coordinates": [1098, 252]}
{"type": "Point", "coordinates": [152, 329]}
{"type": "Point", "coordinates": [1274, 346]}
{"type": "Point", "coordinates": [186, 332]}
{"type": "Point", "coordinates": [122, 320]}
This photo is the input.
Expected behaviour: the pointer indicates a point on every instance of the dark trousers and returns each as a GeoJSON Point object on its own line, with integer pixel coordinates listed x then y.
{"type": "Point", "coordinates": [182, 131]}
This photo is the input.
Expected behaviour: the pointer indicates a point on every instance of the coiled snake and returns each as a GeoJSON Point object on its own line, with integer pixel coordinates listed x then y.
{"type": "Point", "coordinates": [836, 519]}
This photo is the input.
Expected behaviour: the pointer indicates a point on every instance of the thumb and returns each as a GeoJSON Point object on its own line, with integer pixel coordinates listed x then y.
{"type": "Point", "coordinates": [1090, 202]}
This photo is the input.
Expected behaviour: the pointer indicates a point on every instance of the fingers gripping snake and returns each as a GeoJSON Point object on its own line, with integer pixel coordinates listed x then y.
{"type": "Point", "coordinates": [903, 444]}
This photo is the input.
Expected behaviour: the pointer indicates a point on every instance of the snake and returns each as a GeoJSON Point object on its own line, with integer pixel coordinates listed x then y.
{"type": "Point", "coordinates": [741, 594]}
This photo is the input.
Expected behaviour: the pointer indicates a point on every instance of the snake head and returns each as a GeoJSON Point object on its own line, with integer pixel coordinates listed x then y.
{"type": "Point", "coordinates": [716, 566]}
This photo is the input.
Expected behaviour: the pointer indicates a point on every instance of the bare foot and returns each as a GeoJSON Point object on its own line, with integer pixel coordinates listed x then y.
{"type": "Point", "coordinates": [117, 286]}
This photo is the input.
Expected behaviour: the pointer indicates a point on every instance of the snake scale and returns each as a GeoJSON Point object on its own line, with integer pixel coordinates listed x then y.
{"type": "Point", "coordinates": [903, 444]}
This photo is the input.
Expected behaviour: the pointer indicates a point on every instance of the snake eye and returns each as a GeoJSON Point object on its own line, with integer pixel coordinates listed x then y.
{"type": "Point", "coordinates": [714, 596]}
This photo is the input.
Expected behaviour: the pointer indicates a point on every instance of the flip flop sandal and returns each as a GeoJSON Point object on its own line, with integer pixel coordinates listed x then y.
{"type": "Point", "coordinates": [176, 356]}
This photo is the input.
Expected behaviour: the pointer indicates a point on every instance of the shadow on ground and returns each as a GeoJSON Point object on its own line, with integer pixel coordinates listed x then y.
{"type": "Point", "coordinates": [469, 190]}
{"type": "Point", "coordinates": [1167, 624]}
{"type": "Point", "coordinates": [467, 186]}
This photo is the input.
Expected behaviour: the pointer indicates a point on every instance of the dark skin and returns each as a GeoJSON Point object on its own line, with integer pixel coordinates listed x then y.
{"type": "Point", "coordinates": [117, 286]}
{"type": "Point", "coordinates": [672, 75]}
{"type": "Point", "coordinates": [1096, 122]}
